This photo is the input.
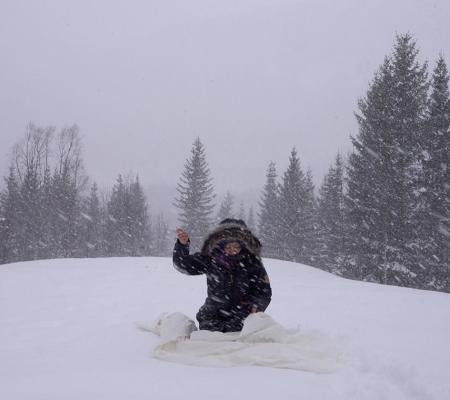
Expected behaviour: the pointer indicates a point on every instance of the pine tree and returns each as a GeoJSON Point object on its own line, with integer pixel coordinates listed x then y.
{"type": "Point", "coordinates": [128, 229]}
{"type": "Point", "coordinates": [115, 226]}
{"type": "Point", "coordinates": [47, 216]}
{"type": "Point", "coordinates": [309, 222]}
{"type": "Point", "coordinates": [29, 156]}
{"type": "Point", "coordinates": [331, 219]}
{"type": "Point", "coordinates": [139, 227]}
{"type": "Point", "coordinates": [30, 221]}
{"type": "Point", "coordinates": [251, 223]}
{"type": "Point", "coordinates": [380, 190]}
{"type": "Point", "coordinates": [161, 238]}
{"type": "Point", "coordinates": [10, 221]}
{"type": "Point", "coordinates": [92, 225]}
{"type": "Point", "coordinates": [432, 219]}
{"type": "Point", "coordinates": [290, 227]}
{"type": "Point", "coordinates": [226, 208]}
{"type": "Point", "coordinates": [104, 223]}
{"type": "Point", "coordinates": [3, 237]}
{"type": "Point", "coordinates": [66, 221]}
{"type": "Point", "coordinates": [67, 185]}
{"type": "Point", "coordinates": [195, 200]}
{"type": "Point", "coordinates": [268, 215]}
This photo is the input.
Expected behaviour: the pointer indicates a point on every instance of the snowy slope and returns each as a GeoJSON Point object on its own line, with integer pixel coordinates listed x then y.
{"type": "Point", "coordinates": [68, 331]}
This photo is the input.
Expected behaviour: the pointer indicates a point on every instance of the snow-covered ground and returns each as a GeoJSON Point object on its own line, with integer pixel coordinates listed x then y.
{"type": "Point", "coordinates": [68, 331]}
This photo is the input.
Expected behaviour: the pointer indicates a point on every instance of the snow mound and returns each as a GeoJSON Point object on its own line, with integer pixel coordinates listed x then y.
{"type": "Point", "coordinates": [262, 342]}
{"type": "Point", "coordinates": [68, 331]}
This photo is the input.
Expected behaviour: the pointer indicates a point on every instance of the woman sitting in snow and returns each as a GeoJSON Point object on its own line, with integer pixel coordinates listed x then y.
{"type": "Point", "coordinates": [238, 284]}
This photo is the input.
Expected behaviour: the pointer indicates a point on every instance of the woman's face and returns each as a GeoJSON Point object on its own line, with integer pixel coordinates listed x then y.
{"type": "Point", "coordinates": [232, 249]}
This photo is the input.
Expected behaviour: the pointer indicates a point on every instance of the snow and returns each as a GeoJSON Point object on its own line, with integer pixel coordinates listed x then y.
{"type": "Point", "coordinates": [69, 331]}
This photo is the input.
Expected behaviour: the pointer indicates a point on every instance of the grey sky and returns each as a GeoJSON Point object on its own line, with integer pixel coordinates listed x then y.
{"type": "Point", "coordinates": [252, 78]}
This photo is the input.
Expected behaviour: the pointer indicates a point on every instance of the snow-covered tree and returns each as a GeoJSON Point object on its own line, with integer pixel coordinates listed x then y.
{"type": "Point", "coordinates": [47, 216]}
{"type": "Point", "coordinates": [226, 208]}
{"type": "Point", "coordinates": [251, 222]}
{"type": "Point", "coordinates": [268, 215]}
{"type": "Point", "coordinates": [309, 221]}
{"type": "Point", "coordinates": [10, 220]}
{"type": "Point", "coordinates": [92, 234]}
{"type": "Point", "coordinates": [195, 200]}
{"type": "Point", "coordinates": [161, 246]}
{"type": "Point", "coordinates": [128, 227]}
{"type": "Point", "coordinates": [290, 225]}
{"type": "Point", "coordinates": [331, 247]}
{"type": "Point", "coordinates": [432, 212]}
{"type": "Point", "coordinates": [380, 189]}
{"type": "Point", "coordinates": [68, 182]}
{"type": "Point", "coordinates": [30, 158]}
{"type": "Point", "coordinates": [115, 228]}
{"type": "Point", "coordinates": [139, 221]}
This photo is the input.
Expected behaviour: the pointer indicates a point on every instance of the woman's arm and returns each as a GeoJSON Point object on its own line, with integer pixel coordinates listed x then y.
{"type": "Point", "coordinates": [260, 291]}
{"type": "Point", "coordinates": [194, 264]}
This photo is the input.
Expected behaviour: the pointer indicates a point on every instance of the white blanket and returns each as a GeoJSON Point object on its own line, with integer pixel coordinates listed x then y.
{"type": "Point", "coordinates": [262, 342]}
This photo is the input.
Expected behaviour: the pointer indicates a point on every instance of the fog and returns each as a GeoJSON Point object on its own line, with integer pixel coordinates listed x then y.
{"type": "Point", "coordinates": [252, 79]}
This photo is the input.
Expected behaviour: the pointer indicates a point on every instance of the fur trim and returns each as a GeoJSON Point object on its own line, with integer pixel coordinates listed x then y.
{"type": "Point", "coordinates": [232, 231]}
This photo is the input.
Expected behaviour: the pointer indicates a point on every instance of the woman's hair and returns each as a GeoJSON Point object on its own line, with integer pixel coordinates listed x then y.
{"type": "Point", "coordinates": [234, 230]}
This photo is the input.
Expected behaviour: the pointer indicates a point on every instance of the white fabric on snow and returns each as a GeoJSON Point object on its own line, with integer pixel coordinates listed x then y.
{"type": "Point", "coordinates": [262, 342]}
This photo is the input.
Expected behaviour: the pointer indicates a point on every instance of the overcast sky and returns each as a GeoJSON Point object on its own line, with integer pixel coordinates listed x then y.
{"type": "Point", "coordinates": [252, 79]}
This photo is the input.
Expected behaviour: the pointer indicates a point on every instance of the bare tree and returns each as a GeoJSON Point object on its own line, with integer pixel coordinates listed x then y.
{"type": "Point", "coordinates": [69, 161]}
{"type": "Point", "coordinates": [31, 155]}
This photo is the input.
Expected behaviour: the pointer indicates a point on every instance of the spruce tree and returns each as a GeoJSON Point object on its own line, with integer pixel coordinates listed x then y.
{"type": "Point", "coordinates": [432, 219]}
{"type": "Point", "coordinates": [10, 221]}
{"type": "Point", "coordinates": [195, 200]}
{"type": "Point", "coordinates": [128, 229]}
{"type": "Point", "coordinates": [67, 185]}
{"type": "Point", "coordinates": [30, 156]}
{"type": "Point", "coordinates": [290, 225]}
{"type": "Point", "coordinates": [30, 221]}
{"type": "Point", "coordinates": [139, 227]}
{"type": "Point", "coordinates": [331, 219]}
{"type": "Point", "coordinates": [161, 237]}
{"type": "Point", "coordinates": [251, 223]}
{"type": "Point", "coordinates": [47, 216]}
{"type": "Point", "coordinates": [115, 226]}
{"type": "Point", "coordinates": [380, 188]}
{"type": "Point", "coordinates": [92, 225]}
{"type": "Point", "coordinates": [268, 215]}
{"type": "Point", "coordinates": [3, 236]}
{"type": "Point", "coordinates": [309, 221]}
{"type": "Point", "coordinates": [67, 213]}
{"type": "Point", "coordinates": [226, 208]}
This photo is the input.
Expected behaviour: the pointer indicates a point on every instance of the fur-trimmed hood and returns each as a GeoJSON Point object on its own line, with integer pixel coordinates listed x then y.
{"type": "Point", "coordinates": [232, 231]}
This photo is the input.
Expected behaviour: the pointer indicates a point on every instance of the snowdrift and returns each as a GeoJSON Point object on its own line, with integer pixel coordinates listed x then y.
{"type": "Point", "coordinates": [68, 331]}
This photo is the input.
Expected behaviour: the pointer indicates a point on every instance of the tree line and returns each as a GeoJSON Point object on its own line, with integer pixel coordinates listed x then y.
{"type": "Point", "coordinates": [47, 209]}
{"type": "Point", "coordinates": [382, 214]}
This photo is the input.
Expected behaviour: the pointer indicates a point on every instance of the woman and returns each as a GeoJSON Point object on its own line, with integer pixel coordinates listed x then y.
{"type": "Point", "coordinates": [237, 281]}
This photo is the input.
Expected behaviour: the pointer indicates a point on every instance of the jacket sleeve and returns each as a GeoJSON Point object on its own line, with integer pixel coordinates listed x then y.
{"type": "Point", "coordinates": [261, 292]}
{"type": "Point", "coordinates": [194, 264]}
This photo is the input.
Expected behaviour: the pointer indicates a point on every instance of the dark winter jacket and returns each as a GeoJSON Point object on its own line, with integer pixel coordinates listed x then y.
{"type": "Point", "coordinates": [235, 284]}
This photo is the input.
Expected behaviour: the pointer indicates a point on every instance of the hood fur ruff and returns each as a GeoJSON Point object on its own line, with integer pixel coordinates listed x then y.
{"type": "Point", "coordinates": [229, 232]}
